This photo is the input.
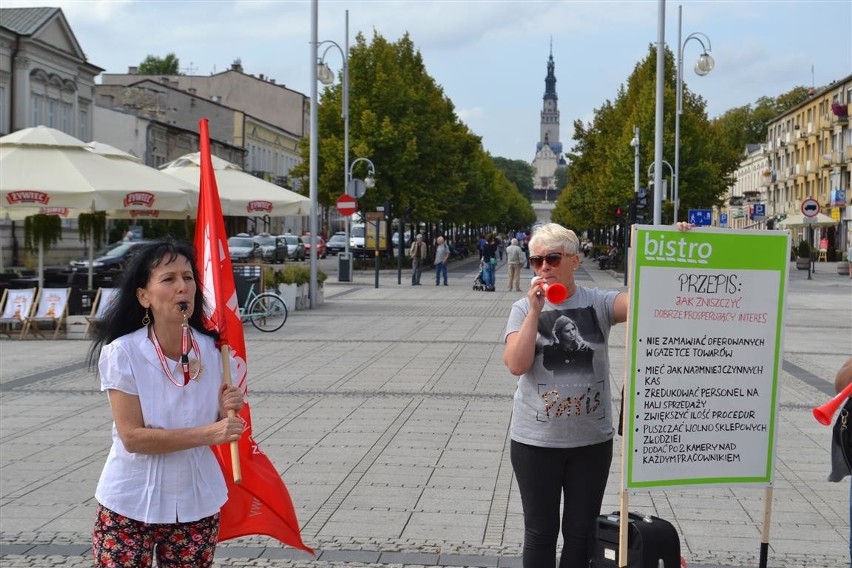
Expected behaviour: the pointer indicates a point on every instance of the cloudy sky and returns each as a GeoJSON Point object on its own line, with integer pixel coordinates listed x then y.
{"type": "Point", "coordinates": [490, 56]}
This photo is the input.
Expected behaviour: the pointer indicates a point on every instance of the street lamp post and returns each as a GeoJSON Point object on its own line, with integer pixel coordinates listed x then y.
{"type": "Point", "coordinates": [312, 286]}
{"type": "Point", "coordinates": [658, 138]}
{"type": "Point", "coordinates": [703, 66]}
{"type": "Point", "coordinates": [658, 190]}
{"type": "Point", "coordinates": [369, 181]}
{"type": "Point", "coordinates": [635, 144]}
{"type": "Point", "coordinates": [326, 76]}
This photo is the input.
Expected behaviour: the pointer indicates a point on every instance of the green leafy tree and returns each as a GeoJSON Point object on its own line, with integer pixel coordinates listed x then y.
{"type": "Point", "coordinates": [518, 172]}
{"type": "Point", "coordinates": [153, 65]}
{"type": "Point", "coordinates": [748, 124]}
{"type": "Point", "coordinates": [428, 163]}
{"type": "Point", "coordinates": [600, 171]}
{"type": "Point", "coordinates": [561, 178]}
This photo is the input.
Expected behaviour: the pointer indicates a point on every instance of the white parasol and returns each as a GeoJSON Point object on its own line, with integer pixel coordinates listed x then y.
{"type": "Point", "coordinates": [43, 170]}
{"type": "Point", "coordinates": [799, 220]}
{"type": "Point", "coordinates": [241, 194]}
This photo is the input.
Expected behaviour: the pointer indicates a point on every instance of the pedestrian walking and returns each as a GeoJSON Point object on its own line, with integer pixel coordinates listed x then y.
{"type": "Point", "coordinates": [442, 255]}
{"type": "Point", "coordinates": [417, 252]}
{"type": "Point", "coordinates": [161, 489]}
{"type": "Point", "coordinates": [514, 260]}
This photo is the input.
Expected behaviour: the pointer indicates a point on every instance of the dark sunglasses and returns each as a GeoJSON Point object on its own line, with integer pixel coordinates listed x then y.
{"type": "Point", "coordinates": [554, 259]}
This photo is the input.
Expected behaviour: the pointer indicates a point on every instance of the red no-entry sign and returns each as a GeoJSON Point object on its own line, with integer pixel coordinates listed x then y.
{"type": "Point", "coordinates": [346, 204]}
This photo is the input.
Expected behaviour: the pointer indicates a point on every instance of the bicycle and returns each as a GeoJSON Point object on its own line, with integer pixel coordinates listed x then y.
{"type": "Point", "coordinates": [266, 311]}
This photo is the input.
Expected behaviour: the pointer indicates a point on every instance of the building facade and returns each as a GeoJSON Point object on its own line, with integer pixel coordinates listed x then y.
{"type": "Point", "coordinates": [809, 150]}
{"type": "Point", "coordinates": [548, 150]}
{"type": "Point", "coordinates": [748, 189]}
{"type": "Point", "coordinates": [44, 76]}
{"type": "Point", "coordinates": [275, 118]}
{"type": "Point", "coordinates": [45, 79]}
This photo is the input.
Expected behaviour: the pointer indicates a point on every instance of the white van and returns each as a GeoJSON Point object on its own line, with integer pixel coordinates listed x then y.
{"type": "Point", "coordinates": [357, 234]}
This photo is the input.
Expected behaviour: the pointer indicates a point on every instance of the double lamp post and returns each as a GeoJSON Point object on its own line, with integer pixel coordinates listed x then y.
{"type": "Point", "coordinates": [351, 186]}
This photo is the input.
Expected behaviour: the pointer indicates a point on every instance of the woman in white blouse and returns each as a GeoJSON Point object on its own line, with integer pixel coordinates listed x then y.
{"type": "Point", "coordinates": [161, 488]}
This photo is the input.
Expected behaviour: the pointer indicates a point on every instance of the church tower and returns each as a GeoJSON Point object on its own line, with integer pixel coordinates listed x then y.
{"type": "Point", "coordinates": [548, 151]}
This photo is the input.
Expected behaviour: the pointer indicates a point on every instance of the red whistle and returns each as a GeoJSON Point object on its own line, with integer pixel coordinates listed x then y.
{"type": "Point", "coordinates": [555, 293]}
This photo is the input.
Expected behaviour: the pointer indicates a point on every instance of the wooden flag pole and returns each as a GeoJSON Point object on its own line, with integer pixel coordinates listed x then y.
{"type": "Point", "coordinates": [235, 446]}
{"type": "Point", "coordinates": [764, 534]}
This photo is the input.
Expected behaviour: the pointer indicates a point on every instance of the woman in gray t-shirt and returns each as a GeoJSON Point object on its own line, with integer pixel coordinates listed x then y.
{"type": "Point", "coordinates": [562, 417]}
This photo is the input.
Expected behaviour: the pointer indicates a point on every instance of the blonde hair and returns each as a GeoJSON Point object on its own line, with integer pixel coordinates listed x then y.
{"type": "Point", "coordinates": [555, 236]}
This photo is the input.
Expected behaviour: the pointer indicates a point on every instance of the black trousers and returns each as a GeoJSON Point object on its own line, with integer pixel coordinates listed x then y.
{"type": "Point", "coordinates": [545, 476]}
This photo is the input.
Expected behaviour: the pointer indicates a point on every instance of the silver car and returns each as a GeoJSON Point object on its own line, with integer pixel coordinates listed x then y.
{"type": "Point", "coordinates": [295, 247]}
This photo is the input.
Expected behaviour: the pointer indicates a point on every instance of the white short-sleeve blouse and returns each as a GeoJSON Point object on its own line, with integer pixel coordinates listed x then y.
{"type": "Point", "coordinates": [174, 487]}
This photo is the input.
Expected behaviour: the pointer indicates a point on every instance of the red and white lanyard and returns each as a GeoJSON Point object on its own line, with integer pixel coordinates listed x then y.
{"type": "Point", "coordinates": [186, 337]}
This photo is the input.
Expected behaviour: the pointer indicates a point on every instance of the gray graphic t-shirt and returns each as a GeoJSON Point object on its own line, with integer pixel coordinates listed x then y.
{"type": "Point", "coordinates": [564, 399]}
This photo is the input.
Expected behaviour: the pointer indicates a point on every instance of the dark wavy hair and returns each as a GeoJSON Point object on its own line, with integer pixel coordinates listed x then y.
{"type": "Point", "coordinates": [125, 312]}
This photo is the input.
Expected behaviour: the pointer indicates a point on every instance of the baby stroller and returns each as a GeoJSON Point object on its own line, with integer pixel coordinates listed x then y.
{"type": "Point", "coordinates": [479, 281]}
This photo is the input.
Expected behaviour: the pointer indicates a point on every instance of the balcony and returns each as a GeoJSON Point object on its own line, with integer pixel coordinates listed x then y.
{"type": "Point", "coordinates": [840, 110]}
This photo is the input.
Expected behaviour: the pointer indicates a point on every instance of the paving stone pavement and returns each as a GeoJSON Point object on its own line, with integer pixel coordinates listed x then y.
{"type": "Point", "coordinates": [386, 411]}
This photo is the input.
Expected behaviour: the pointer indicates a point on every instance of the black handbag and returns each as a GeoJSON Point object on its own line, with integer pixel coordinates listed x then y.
{"type": "Point", "coordinates": [841, 443]}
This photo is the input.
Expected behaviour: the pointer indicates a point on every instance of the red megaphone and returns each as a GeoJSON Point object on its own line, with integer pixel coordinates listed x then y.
{"type": "Point", "coordinates": [825, 413]}
{"type": "Point", "coordinates": [555, 293]}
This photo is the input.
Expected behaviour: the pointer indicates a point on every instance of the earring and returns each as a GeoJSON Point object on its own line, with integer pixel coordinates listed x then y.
{"type": "Point", "coordinates": [146, 319]}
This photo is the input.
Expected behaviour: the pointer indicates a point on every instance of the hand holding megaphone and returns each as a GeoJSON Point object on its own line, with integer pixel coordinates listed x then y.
{"type": "Point", "coordinates": [554, 292]}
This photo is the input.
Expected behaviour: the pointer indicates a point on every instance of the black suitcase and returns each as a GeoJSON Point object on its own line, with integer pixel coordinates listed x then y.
{"type": "Point", "coordinates": [649, 540]}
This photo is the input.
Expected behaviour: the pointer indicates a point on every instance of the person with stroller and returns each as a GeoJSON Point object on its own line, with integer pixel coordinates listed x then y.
{"type": "Point", "coordinates": [489, 259]}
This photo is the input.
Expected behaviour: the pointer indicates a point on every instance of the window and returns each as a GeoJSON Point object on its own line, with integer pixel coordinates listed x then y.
{"type": "Point", "coordinates": [65, 118]}
{"type": "Point", "coordinates": [3, 106]}
{"type": "Point", "coordinates": [51, 113]}
{"type": "Point", "coordinates": [37, 103]}
{"type": "Point", "coordinates": [83, 127]}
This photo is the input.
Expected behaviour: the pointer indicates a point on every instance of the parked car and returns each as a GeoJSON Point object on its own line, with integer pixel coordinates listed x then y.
{"type": "Point", "coordinates": [273, 249]}
{"type": "Point", "coordinates": [112, 257]}
{"type": "Point", "coordinates": [336, 244]}
{"type": "Point", "coordinates": [242, 248]}
{"type": "Point", "coordinates": [322, 250]}
{"type": "Point", "coordinates": [295, 247]}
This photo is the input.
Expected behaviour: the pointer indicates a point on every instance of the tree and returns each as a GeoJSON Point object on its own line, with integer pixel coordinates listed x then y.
{"type": "Point", "coordinates": [748, 124]}
{"type": "Point", "coordinates": [518, 172]}
{"type": "Point", "coordinates": [600, 171]}
{"type": "Point", "coordinates": [153, 65]}
{"type": "Point", "coordinates": [427, 161]}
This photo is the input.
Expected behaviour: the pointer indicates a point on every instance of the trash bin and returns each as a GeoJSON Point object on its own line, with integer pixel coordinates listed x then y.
{"type": "Point", "coordinates": [344, 267]}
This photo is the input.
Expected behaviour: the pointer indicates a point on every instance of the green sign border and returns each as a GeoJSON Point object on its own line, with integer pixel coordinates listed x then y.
{"type": "Point", "coordinates": [732, 250]}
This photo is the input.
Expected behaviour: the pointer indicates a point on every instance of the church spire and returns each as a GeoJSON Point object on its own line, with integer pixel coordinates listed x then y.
{"type": "Point", "coordinates": [550, 80]}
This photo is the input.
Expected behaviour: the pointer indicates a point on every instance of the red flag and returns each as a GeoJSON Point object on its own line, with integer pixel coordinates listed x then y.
{"type": "Point", "coordinates": [261, 503]}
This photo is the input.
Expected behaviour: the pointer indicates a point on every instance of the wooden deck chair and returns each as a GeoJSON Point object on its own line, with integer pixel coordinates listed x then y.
{"type": "Point", "coordinates": [100, 305]}
{"type": "Point", "coordinates": [51, 308]}
{"type": "Point", "coordinates": [17, 306]}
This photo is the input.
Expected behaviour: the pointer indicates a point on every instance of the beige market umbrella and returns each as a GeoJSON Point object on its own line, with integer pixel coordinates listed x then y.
{"type": "Point", "coordinates": [241, 194]}
{"type": "Point", "coordinates": [44, 167]}
{"type": "Point", "coordinates": [44, 170]}
{"type": "Point", "coordinates": [799, 220]}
